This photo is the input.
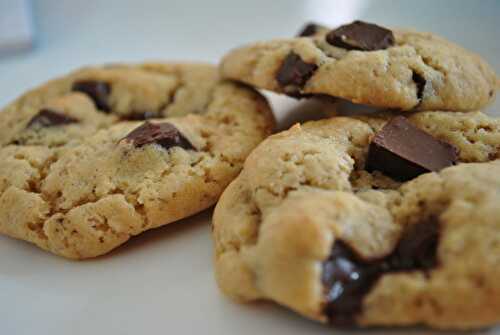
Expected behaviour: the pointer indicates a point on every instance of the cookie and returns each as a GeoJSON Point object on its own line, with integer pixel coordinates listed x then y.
{"type": "Point", "coordinates": [345, 221]}
{"type": "Point", "coordinates": [105, 153]}
{"type": "Point", "coordinates": [367, 64]}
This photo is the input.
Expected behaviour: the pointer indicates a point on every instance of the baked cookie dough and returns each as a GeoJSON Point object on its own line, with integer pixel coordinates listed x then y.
{"type": "Point", "coordinates": [83, 170]}
{"type": "Point", "coordinates": [346, 221]}
{"type": "Point", "coordinates": [367, 64]}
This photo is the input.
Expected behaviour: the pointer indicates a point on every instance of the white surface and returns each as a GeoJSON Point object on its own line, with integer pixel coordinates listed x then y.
{"type": "Point", "coordinates": [16, 31]}
{"type": "Point", "coordinates": [162, 281]}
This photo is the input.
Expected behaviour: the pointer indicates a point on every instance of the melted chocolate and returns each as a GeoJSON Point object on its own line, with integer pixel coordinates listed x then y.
{"type": "Point", "coordinates": [347, 278]}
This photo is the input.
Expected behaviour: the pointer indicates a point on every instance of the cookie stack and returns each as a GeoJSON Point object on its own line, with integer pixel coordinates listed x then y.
{"type": "Point", "coordinates": [381, 219]}
{"type": "Point", "coordinates": [389, 218]}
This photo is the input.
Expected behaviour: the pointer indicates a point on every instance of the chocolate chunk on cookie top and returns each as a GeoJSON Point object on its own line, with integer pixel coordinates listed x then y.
{"type": "Point", "coordinates": [98, 91]}
{"type": "Point", "coordinates": [294, 72]}
{"type": "Point", "coordinates": [164, 134]}
{"type": "Point", "coordinates": [49, 118]}
{"type": "Point", "coordinates": [309, 29]}
{"type": "Point", "coordinates": [403, 151]}
{"type": "Point", "coordinates": [362, 36]}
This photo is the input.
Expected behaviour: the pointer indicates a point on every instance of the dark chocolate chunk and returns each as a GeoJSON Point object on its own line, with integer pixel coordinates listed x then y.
{"type": "Point", "coordinates": [417, 248]}
{"type": "Point", "coordinates": [294, 72]}
{"type": "Point", "coordinates": [309, 29]}
{"type": "Point", "coordinates": [402, 151]}
{"type": "Point", "coordinates": [360, 35]}
{"type": "Point", "coordinates": [347, 278]}
{"type": "Point", "coordinates": [98, 91]}
{"type": "Point", "coordinates": [138, 116]}
{"type": "Point", "coordinates": [164, 134]}
{"type": "Point", "coordinates": [420, 82]}
{"type": "Point", "coordinates": [49, 118]}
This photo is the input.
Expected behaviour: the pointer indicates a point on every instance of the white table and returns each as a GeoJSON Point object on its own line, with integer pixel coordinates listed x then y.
{"type": "Point", "coordinates": [162, 281]}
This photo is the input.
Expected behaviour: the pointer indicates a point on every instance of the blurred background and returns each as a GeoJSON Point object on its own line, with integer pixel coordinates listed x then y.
{"type": "Point", "coordinates": [68, 34]}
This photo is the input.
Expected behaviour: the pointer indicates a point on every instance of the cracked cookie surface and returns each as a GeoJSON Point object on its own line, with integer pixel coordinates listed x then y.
{"type": "Point", "coordinates": [307, 226]}
{"type": "Point", "coordinates": [82, 171]}
{"type": "Point", "coordinates": [406, 70]}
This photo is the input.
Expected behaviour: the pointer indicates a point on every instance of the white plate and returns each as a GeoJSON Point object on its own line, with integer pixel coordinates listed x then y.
{"type": "Point", "coordinates": [162, 281]}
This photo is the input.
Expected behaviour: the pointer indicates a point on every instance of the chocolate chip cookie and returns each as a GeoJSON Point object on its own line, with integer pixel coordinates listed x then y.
{"type": "Point", "coordinates": [105, 153]}
{"type": "Point", "coordinates": [368, 64]}
{"type": "Point", "coordinates": [379, 220]}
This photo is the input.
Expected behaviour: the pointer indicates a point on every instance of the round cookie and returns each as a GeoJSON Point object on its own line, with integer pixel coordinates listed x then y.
{"type": "Point", "coordinates": [82, 170]}
{"type": "Point", "coordinates": [307, 225]}
{"type": "Point", "coordinates": [367, 64]}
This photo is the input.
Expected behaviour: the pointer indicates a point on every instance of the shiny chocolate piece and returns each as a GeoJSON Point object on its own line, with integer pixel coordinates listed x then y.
{"type": "Point", "coordinates": [164, 134]}
{"type": "Point", "coordinates": [403, 152]}
{"type": "Point", "coordinates": [347, 278]}
{"type": "Point", "coordinates": [362, 36]}
{"type": "Point", "coordinates": [294, 73]}
{"type": "Point", "coordinates": [98, 91]}
{"type": "Point", "coordinates": [49, 118]}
